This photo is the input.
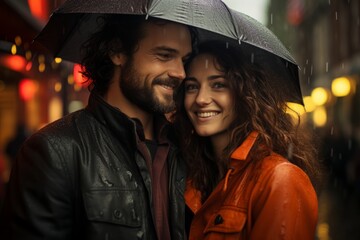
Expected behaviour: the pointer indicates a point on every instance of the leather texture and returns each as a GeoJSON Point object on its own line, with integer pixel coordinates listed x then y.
{"type": "Point", "coordinates": [83, 177]}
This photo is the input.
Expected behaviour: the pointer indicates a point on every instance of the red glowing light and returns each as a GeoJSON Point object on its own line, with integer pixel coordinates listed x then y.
{"type": "Point", "coordinates": [27, 89]}
{"type": "Point", "coordinates": [78, 77]}
{"type": "Point", "coordinates": [14, 62]}
{"type": "Point", "coordinates": [39, 9]}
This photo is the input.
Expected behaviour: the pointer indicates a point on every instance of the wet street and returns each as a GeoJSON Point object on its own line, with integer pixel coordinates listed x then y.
{"type": "Point", "coordinates": [339, 212]}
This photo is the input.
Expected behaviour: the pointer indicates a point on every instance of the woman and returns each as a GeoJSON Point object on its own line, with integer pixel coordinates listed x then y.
{"type": "Point", "coordinates": [248, 164]}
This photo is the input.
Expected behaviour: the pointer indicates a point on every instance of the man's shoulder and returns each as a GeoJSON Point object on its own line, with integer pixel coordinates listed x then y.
{"type": "Point", "coordinates": [65, 127]}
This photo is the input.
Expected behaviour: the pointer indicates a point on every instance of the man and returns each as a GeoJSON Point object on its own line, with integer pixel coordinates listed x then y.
{"type": "Point", "coordinates": [109, 171]}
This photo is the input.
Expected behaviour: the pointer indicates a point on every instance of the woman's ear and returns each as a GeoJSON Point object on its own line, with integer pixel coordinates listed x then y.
{"type": "Point", "coordinates": [118, 59]}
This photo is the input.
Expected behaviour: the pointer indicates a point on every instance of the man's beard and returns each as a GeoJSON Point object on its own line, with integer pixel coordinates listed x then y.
{"type": "Point", "coordinates": [139, 92]}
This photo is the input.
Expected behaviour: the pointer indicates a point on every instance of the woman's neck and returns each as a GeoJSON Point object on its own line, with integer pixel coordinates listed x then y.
{"type": "Point", "coordinates": [219, 143]}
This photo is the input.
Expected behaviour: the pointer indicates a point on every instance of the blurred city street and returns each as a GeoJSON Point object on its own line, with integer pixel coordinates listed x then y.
{"type": "Point", "coordinates": [322, 35]}
{"type": "Point", "coordinates": [339, 212]}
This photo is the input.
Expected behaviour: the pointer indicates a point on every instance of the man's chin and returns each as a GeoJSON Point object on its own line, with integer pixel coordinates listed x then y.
{"type": "Point", "coordinates": [164, 107]}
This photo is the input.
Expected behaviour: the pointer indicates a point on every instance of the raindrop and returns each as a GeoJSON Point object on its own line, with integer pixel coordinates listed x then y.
{"type": "Point", "coordinates": [132, 8]}
{"type": "Point", "coordinates": [336, 16]}
{"type": "Point", "coordinates": [350, 144]}
{"type": "Point", "coordinates": [271, 18]}
{"type": "Point", "coordinates": [307, 61]}
{"type": "Point", "coordinates": [107, 182]}
{"type": "Point", "coordinates": [207, 63]}
{"type": "Point", "coordinates": [290, 152]}
{"type": "Point", "coordinates": [311, 70]}
{"type": "Point", "coordinates": [133, 214]}
{"type": "Point", "coordinates": [331, 152]}
{"type": "Point", "coordinates": [329, 2]}
{"type": "Point", "coordinates": [327, 66]}
{"type": "Point", "coordinates": [227, 45]}
{"type": "Point", "coordinates": [283, 229]}
{"type": "Point", "coordinates": [140, 234]}
{"type": "Point", "coordinates": [129, 174]}
{"type": "Point", "coordinates": [332, 131]}
{"type": "Point", "coordinates": [340, 156]}
{"type": "Point", "coordinates": [308, 81]}
{"type": "Point", "coordinates": [343, 65]}
{"type": "Point", "coordinates": [252, 57]}
{"type": "Point", "coordinates": [304, 70]}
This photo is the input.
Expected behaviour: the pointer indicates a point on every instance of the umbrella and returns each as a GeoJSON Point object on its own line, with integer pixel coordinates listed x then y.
{"type": "Point", "coordinates": [74, 21]}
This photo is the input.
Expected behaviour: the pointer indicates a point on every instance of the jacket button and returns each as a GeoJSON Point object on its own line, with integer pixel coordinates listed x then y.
{"type": "Point", "coordinates": [218, 220]}
{"type": "Point", "coordinates": [117, 214]}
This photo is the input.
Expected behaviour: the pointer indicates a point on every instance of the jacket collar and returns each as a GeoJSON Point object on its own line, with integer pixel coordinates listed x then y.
{"type": "Point", "coordinates": [242, 152]}
{"type": "Point", "coordinates": [193, 196]}
{"type": "Point", "coordinates": [128, 129]}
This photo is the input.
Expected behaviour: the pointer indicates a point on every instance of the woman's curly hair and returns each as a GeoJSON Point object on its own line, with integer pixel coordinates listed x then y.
{"type": "Point", "coordinates": [258, 106]}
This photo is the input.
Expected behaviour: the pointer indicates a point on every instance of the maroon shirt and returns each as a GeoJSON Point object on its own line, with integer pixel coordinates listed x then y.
{"type": "Point", "coordinates": [159, 173]}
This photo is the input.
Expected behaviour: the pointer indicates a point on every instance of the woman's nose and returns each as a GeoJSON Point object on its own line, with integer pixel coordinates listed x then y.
{"type": "Point", "coordinates": [203, 97]}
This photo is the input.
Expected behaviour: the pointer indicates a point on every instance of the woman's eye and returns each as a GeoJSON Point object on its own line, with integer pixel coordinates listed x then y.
{"type": "Point", "coordinates": [219, 85]}
{"type": "Point", "coordinates": [190, 87]}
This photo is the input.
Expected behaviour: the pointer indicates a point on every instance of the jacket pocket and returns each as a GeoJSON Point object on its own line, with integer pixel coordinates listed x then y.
{"type": "Point", "coordinates": [116, 206]}
{"type": "Point", "coordinates": [227, 223]}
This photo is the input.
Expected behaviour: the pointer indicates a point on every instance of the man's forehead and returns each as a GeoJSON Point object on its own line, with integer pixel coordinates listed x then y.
{"type": "Point", "coordinates": [164, 28]}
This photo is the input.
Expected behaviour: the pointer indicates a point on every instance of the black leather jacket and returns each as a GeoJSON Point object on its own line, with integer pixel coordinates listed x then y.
{"type": "Point", "coordinates": [82, 177]}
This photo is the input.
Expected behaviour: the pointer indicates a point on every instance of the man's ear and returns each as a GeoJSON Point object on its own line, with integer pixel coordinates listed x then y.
{"type": "Point", "coordinates": [118, 59]}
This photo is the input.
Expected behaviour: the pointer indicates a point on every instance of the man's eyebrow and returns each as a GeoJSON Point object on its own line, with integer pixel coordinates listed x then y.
{"type": "Point", "coordinates": [164, 48]}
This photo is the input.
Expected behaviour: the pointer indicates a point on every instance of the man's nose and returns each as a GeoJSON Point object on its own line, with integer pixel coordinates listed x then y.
{"type": "Point", "coordinates": [177, 70]}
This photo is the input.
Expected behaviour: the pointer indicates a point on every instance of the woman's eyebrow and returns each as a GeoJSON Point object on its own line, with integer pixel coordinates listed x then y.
{"type": "Point", "coordinates": [214, 77]}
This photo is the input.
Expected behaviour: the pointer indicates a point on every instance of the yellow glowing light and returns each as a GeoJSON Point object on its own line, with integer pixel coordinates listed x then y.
{"type": "Point", "coordinates": [42, 67]}
{"type": "Point", "coordinates": [309, 104]}
{"type": "Point", "coordinates": [341, 86]}
{"type": "Point", "coordinates": [295, 109]}
{"type": "Point", "coordinates": [319, 96]}
{"type": "Point", "coordinates": [28, 55]}
{"type": "Point", "coordinates": [58, 87]}
{"type": "Point", "coordinates": [70, 79]}
{"type": "Point", "coordinates": [58, 60]}
{"type": "Point", "coordinates": [18, 40]}
{"type": "Point", "coordinates": [13, 49]}
{"type": "Point", "coordinates": [319, 116]}
{"type": "Point", "coordinates": [77, 87]}
{"type": "Point", "coordinates": [55, 109]}
{"type": "Point", "coordinates": [41, 58]}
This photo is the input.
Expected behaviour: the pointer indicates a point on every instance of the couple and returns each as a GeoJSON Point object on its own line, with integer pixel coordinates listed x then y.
{"type": "Point", "coordinates": [118, 170]}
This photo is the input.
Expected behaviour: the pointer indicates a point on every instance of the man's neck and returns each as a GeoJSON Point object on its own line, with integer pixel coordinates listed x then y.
{"type": "Point", "coordinates": [116, 99]}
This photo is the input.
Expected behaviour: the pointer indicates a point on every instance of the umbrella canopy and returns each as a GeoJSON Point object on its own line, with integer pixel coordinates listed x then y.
{"type": "Point", "coordinates": [74, 22]}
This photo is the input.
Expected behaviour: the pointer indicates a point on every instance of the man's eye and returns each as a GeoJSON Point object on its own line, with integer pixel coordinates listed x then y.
{"type": "Point", "coordinates": [164, 56]}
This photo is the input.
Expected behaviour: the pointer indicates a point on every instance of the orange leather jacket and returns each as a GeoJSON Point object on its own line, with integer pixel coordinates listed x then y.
{"type": "Point", "coordinates": [280, 204]}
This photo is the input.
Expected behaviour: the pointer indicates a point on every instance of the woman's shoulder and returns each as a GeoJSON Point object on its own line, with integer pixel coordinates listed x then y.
{"type": "Point", "coordinates": [276, 168]}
